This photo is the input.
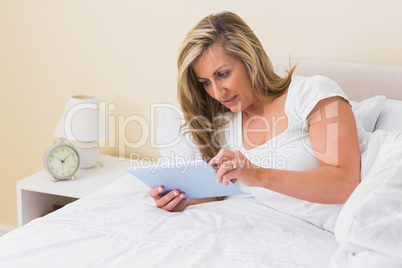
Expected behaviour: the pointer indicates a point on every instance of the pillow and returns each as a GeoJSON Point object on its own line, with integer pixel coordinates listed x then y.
{"type": "Point", "coordinates": [174, 143]}
{"type": "Point", "coordinates": [390, 116]}
{"type": "Point", "coordinates": [368, 111]}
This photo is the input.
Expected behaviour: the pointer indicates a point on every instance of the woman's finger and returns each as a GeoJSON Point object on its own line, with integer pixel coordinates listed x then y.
{"type": "Point", "coordinates": [155, 193]}
{"type": "Point", "coordinates": [228, 169]}
{"type": "Point", "coordinates": [174, 202]}
{"type": "Point", "coordinates": [223, 169]}
{"type": "Point", "coordinates": [227, 177]}
{"type": "Point", "coordinates": [222, 156]}
{"type": "Point", "coordinates": [164, 200]}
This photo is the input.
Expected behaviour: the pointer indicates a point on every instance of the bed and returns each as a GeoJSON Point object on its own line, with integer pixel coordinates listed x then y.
{"type": "Point", "coordinates": [119, 225]}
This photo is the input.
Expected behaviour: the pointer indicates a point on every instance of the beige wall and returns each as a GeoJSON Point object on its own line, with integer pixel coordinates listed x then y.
{"type": "Point", "coordinates": [125, 52]}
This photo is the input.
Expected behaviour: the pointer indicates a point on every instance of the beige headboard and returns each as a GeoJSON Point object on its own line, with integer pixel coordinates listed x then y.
{"type": "Point", "coordinates": [359, 81]}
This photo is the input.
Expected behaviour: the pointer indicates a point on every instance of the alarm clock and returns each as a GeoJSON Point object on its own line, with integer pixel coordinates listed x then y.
{"type": "Point", "coordinates": [61, 160]}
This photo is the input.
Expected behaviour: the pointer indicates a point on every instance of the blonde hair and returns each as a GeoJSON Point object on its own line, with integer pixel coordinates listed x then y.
{"type": "Point", "coordinates": [238, 40]}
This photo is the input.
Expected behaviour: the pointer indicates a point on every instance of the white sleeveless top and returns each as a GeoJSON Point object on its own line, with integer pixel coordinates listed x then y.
{"type": "Point", "coordinates": [291, 149]}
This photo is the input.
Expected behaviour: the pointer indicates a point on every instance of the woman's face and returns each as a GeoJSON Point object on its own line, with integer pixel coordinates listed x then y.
{"type": "Point", "coordinates": [225, 78]}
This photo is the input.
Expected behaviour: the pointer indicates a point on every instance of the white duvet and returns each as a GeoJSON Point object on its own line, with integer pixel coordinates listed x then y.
{"type": "Point", "coordinates": [369, 226]}
{"type": "Point", "coordinates": [119, 226]}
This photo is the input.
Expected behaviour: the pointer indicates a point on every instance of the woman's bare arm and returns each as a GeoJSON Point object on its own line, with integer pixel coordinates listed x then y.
{"type": "Point", "coordinates": [334, 139]}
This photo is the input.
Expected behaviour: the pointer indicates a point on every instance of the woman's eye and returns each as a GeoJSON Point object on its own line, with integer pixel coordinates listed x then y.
{"type": "Point", "coordinates": [223, 74]}
{"type": "Point", "coordinates": [205, 83]}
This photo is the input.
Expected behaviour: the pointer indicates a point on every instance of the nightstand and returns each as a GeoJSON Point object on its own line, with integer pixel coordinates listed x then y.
{"type": "Point", "coordinates": [38, 195]}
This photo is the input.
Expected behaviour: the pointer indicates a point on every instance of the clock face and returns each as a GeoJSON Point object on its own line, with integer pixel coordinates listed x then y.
{"type": "Point", "coordinates": [62, 161]}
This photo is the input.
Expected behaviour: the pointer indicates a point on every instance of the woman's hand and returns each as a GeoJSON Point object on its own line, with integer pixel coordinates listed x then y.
{"type": "Point", "coordinates": [234, 165]}
{"type": "Point", "coordinates": [172, 201]}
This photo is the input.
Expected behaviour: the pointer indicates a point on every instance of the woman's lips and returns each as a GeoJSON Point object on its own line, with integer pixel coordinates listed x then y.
{"type": "Point", "coordinates": [231, 100]}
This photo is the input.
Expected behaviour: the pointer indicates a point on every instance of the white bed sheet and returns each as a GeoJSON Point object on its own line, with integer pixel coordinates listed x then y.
{"type": "Point", "coordinates": [119, 226]}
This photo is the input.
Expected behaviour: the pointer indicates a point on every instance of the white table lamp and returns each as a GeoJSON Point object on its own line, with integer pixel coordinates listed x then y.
{"type": "Point", "coordinates": [83, 123]}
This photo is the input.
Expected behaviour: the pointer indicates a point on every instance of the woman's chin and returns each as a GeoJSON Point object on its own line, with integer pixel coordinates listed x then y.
{"type": "Point", "coordinates": [234, 109]}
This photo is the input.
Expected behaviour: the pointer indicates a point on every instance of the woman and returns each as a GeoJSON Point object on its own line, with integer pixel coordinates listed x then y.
{"type": "Point", "coordinates": [293, 142]}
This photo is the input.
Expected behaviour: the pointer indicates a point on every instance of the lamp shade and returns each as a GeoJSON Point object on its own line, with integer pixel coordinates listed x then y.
{"type": "Point", "coordinates": [83, 120]}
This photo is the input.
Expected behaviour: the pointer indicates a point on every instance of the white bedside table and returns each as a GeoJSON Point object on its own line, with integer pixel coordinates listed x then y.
{"type": "Point", "coordinates": [38, 195]}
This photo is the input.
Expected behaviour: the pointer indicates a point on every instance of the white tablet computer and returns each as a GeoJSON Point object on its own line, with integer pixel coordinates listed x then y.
{"type": "Point", "coordinates": [196, 179]}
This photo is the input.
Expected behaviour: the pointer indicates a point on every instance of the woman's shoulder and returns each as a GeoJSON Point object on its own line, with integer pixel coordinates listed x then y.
{"type": "Point", "coordinates": [305, 92]}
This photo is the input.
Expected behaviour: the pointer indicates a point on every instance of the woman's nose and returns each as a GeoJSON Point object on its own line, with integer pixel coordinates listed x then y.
{"type": "Point", "coordinates": [219, 91]}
